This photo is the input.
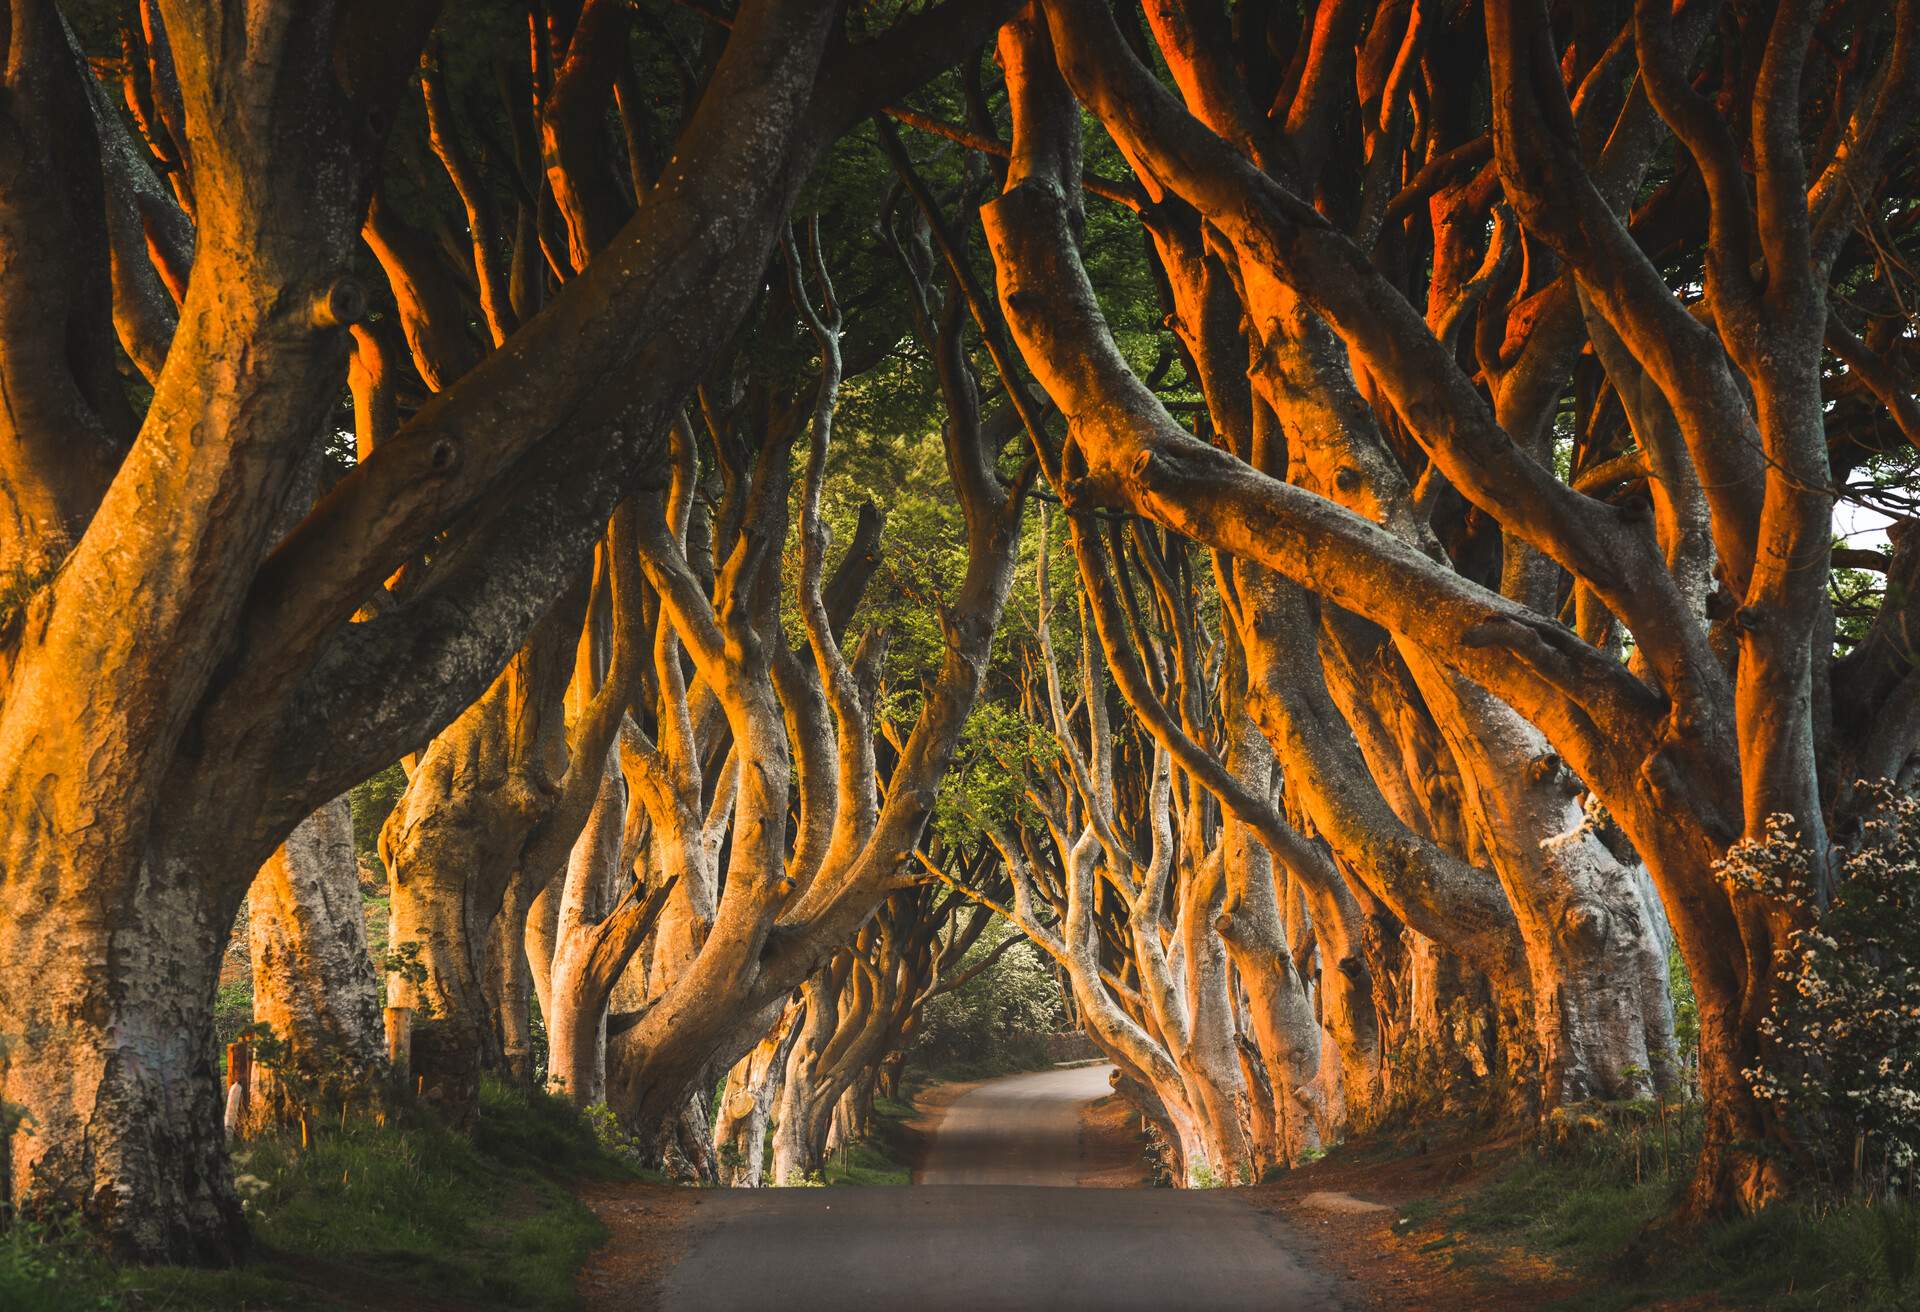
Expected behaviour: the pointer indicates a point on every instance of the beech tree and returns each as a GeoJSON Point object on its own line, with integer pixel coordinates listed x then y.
{"type": "Point", "coordinates": [809, 725]}
{"type": "Point", "coordinates": [268, 672]}
{"type": "Point", "coordinates": [314, 987]}
{"type": "Point", "coordinates": [1714, 724]}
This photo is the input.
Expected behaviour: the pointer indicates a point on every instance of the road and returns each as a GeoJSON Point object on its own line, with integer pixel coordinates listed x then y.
{"type": "Point", "coordinates": [1024, 1129]}
{"type": "Point", "coordinates": [993, 1230]}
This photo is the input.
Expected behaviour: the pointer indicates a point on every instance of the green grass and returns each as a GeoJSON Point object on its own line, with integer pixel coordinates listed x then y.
{"type": "Point", "coordinates": [1001, 1061]}
{"type": "Point", "coordinates": [878, 1159]}
{"type": "Point", "coordinates": [370, 1216]}
{"type": "Point", "coordinates": [1008, 1060]}
{"type": "Point", "coordinates": [893, 1109]}
{"type": "Point", "coordinates": [865, 1163]}
{"type": "Point", "coordinates": [1600, 1215]}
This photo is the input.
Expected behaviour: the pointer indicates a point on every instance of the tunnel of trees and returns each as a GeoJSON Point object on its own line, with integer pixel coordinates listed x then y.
{"type": "Point", "coordinates": [1336, 527]}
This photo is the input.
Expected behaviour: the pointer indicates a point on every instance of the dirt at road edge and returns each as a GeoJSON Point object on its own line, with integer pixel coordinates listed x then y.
{"type": "Point", "coordinates": [647, 1231]}
{"type": "Point", "coordinates": [1347, 1210]}
{"type": "Point", "coordinates": [1111, 1146]}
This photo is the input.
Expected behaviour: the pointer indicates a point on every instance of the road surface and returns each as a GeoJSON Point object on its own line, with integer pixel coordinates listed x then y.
{"type": "Point", "coordinates": [1004, 1240]}
{"type": "Point", "coordinates": [1024, 1129]}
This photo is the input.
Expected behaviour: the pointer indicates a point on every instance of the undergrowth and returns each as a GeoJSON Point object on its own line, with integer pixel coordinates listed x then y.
{"type": "Point", "coordinates": [880, 1157]}
{"type": "Point", "coordinates": [1598, 1208]}
{"type": "Point", "coordinates": [398, 1215]}
{"type": "Point", "coordinates": [1013, 1058]}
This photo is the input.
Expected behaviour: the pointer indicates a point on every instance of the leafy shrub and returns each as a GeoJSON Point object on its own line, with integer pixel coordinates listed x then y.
{"type": "Point", "coordinates": [370, 802]}
{"type": "Point", "coordinates": [998, 1020]}
{"type": "Point", "coordinates": [613, 1137]}
{"type": "Point", "coordinates": [47, 1266]}
{"type": "Point", "coordinates": [1842, 1054]}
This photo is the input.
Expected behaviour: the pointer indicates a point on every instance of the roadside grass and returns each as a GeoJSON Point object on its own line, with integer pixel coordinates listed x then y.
{"type": "Point", "coordinates": [409, 1214]}
{"type": "Point", "coordinates": [1598, 1213]}
{"type": "Point", "coordinates": [1009, 1059]}
{"type": "Point", "coordinates": [881, 1158]}
{"type": "Point", "coordinates": [977, 1068]}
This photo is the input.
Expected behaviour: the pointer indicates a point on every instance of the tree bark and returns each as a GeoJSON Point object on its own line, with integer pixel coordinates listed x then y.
{"type": "Point", "coordinates": [314, 985]}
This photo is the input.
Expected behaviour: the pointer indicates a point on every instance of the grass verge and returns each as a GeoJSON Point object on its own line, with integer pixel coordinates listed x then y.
{"type": "Point", "coordinates": [882, 1157]}
{"type": "Point", "coordinates": [1001, 1061]}
{"type": "Point", "coordinates": [1598, 1214]}
{"type": "Point", "coordinates": [409, 1214]}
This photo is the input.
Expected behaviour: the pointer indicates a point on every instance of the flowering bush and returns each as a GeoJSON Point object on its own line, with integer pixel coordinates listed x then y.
{"type": "Point", "coordinates": [1842, 1054]}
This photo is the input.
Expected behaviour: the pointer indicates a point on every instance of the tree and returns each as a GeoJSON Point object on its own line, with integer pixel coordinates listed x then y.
{"type": "Point", "coordinates": [1711, 728]}
{"type": "Point", "coordinates": [807, 725]}
{"type": "Point", "coordinates": [151, 767]}
{"type": "Point", "coordinates": [314, 989]}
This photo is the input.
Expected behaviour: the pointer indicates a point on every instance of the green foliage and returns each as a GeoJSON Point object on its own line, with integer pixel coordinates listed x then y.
{"type": "Point", "coordinates": [1162, 1158]}
{"type": "Point", "coordinates": [995, 1022]}
{"type": "Point", "coordinates": [375, 909]}
{"type": "Point", "coordinates": [404, 1214]}
{"type": "Point", "coordinates": [999, 750]}
{"type": "Point", "coordinates": [877, 1159]}
{"type": "Point", "coordinates": [1597, 1210]}
{"type": "Point", "coordinates": [232, 1009]}
{"type": "Point", "coordinates": [403, 959]}
{"type": "Point", "coordinates": [613, 1140]}
{"type": "Point", "coordinates": [536, 1130]}
{"type": "Point", "coordinates": [48, 1267]}
{"type": "Point", "coordinates": [1857, 596]}
{"type": "Point", "coordinates": [888, 445]}
{"type": "Point", "coordinates": [371, 802]}
{"type": "Point", "coordinates": [320, 1079]}
{"type": "Point", "coordinates": [1686, 1009]}
{"type": "Point", "coordinates": [864, 1163]}
{"type": "Point", "coordinates": [1842, 1053]}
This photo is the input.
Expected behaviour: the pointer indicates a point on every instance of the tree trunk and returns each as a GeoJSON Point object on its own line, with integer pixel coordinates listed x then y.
{"type": "Point", "coordinates": [454, 1037]}
{"type": "Point", "coordinates": [577, 1015]}
{"type": "Point", "coordinates": [795, 1153]}
{"type": "Point", "coordinates": [1279, 1013]}
{"type": "Point", "coordinates": [116, 1068]}
{"type": "Point", "coordinates": [454, 844]}
{"type": "Point", "coordinates": [313, 982]}
{"type": "Point", "coordinates": [753, 1086]}
{"type": "Point", "coordinates": [509, 979]}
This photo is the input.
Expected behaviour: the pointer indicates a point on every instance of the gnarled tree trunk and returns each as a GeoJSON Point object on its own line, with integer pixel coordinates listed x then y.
{"type": "Point", "coordinates": [314, 985]}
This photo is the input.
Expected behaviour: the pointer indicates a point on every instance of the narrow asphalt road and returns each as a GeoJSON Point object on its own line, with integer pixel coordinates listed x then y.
{"type": "Point", "coordinates": [1007, 1242]}
{"type": "Point", "coordinates": [1024, 1129]}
